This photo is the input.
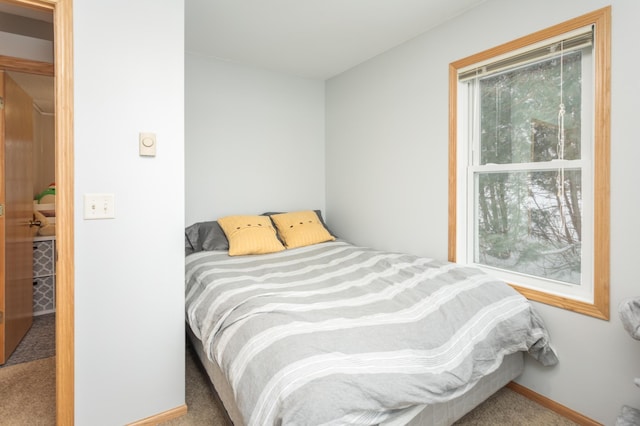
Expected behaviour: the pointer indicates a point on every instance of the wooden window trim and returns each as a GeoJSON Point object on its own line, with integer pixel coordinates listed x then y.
{"type": "Point", "coordinates": [600, 308]}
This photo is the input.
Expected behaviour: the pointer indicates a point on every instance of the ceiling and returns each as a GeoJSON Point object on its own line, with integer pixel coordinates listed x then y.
{"type": "Point", "coordinates": [310, 38]}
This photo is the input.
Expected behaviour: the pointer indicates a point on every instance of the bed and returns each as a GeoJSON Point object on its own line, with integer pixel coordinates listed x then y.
{"type": "Point", "coordinates": [330, 333]}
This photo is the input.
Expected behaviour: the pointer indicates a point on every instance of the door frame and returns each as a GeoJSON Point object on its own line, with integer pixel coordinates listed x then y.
{"type": "Point", "coordinates": [63, 77]}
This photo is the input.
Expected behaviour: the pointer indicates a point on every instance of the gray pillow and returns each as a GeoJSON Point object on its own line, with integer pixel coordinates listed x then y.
{"type": "Point", "coordinates": [205, 236]}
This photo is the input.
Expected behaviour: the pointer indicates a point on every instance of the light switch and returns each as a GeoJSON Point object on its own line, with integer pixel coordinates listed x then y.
{"type": "Point", "coordinates": [99, 206]}
{"type": "Point", "coordinates": [147, 143]}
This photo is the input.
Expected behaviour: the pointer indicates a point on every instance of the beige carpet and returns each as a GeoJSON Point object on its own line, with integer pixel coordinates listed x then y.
{"type": "Point", "coordinates": [27, 397]}
{"type": "Point", "coordinates": [27, 393]}
{"type": "Point", "coordinates": [202, 406]}
{"type": "Point", "coordinates": [509, 408]}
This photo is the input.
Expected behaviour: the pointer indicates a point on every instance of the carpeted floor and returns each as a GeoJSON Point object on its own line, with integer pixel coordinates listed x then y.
{"type": "Point", "coordinates": [509, 408]}
{"type": "Point", "coordinates": [27, 379]}
{"type": "Point", "coordinates": [38, 343]}
{"type": "Point", "coordinates": [202, 406]}
{"type": "Point", "coordinates": [27, 393]}
{"type": "Point", "coordinates": [27, 397]}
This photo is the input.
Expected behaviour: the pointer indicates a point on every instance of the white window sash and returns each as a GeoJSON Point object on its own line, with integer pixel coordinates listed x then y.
{"type": "Point", "coordinates": [466, 242]}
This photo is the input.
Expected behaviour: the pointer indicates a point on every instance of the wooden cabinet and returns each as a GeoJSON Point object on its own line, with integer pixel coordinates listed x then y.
{"type": "Point", "coordinates": [44, 275]}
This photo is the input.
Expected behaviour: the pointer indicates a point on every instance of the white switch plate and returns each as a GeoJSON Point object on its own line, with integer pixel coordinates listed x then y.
{"type": "Point", "coordinates": [147, 144]}
{"type": "Point", "coordinates": [99, 206]}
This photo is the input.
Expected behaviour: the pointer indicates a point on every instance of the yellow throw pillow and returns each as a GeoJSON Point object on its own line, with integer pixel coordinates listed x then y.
{"type": "Point", "coordinates": [250, 235]}
{"type": "Point", "coordinates": [299, 229]}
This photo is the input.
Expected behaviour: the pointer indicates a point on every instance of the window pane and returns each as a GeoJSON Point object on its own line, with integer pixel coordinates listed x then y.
{"type": "Point", "coordinates": [519, 112]}
{"type": "Point", "coordinates": [524, 224]}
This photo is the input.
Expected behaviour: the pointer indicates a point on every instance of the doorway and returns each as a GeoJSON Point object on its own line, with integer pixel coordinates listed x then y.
{"type": "Point", "coordinates": [63, 78]}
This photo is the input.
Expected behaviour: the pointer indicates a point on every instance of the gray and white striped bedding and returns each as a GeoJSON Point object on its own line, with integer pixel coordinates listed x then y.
{"type": "Point", "coordinates": [337, 334]}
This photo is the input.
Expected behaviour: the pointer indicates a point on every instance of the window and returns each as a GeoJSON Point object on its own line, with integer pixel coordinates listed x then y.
{"type": "Point", "coordinates": [529, 163]}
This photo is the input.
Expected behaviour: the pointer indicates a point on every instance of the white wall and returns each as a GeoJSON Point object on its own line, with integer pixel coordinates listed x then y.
{"type": "Point", "coordinates": [387, 140]}
{"type": "Point", "coordinates": [129, 271]}
{"type": "Point", "coordinates": [254, 140]}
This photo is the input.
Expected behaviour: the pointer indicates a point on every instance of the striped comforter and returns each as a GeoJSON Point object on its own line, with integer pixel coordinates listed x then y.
{"type": "Point", "coordinates": [338, 334]}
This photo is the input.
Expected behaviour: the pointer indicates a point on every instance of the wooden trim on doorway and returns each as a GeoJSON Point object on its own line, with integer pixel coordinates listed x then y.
{"type": "Point", "coordinates": [65, 325]}
{"type": "Point", "coordinates": [63, 75]}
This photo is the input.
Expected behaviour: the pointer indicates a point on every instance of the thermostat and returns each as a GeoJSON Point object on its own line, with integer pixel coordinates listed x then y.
{"type": "Point", "coordinates": [147, 143]}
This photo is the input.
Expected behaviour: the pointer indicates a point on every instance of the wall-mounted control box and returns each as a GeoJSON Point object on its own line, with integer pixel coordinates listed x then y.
{"type": "Point", "coordinates": [147, 144]}
{"type": "Point", "coordinates": [99, 206]}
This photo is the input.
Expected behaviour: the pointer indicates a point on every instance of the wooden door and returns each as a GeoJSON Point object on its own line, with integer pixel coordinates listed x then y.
{"type": "Point", "coordinates": [16, 197]}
